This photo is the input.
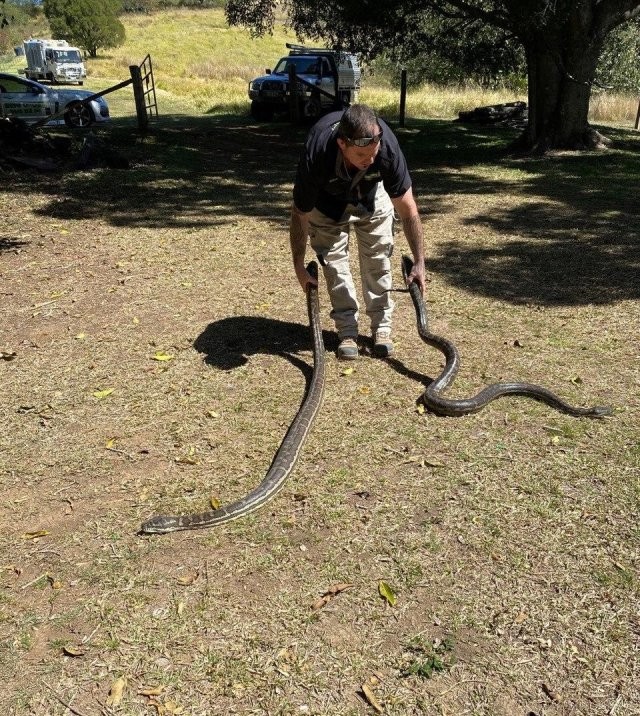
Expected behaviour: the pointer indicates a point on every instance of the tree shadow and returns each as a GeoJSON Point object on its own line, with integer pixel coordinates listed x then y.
{"type": "Point", "coordinates": [573, 239]}
{"type": "Point", "coordinates": [186, 172]}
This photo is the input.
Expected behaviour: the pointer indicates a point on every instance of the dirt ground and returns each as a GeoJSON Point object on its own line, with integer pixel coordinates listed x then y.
{"type": "Point", "coordinates": [155, 349]}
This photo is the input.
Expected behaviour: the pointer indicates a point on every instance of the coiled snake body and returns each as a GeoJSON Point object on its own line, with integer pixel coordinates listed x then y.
{"type": "Point", "coordinates": [287, 454]}
{"type": "Point", "coordinates": [432, 398]}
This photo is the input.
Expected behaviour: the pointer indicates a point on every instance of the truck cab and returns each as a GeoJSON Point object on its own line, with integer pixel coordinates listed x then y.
{"type": "Point", "coordinates": [53, 61]}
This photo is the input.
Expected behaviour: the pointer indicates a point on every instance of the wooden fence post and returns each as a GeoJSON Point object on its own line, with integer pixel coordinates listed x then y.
{"type": "Point", "coordinates": [138, 95]}
{"type": "Point", "coordinates": [294, 103]}
{"type": "Point", "coordinates": [403, 95]}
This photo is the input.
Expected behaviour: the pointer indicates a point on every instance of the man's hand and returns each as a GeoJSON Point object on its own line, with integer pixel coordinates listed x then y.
{"type": "Point", "coordinates": [417, 274]}
{"type": "Point", "coordinates": [298, 233]}
{"type": "Point", "coordinates": [304, 277]}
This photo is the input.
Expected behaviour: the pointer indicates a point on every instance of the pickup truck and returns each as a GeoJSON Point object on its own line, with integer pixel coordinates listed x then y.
{"type": "Point", "coordinates": [327, 79]}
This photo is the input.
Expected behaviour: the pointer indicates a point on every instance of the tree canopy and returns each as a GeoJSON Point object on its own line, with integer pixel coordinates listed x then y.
{"type": "Point", "coordinates": [90, 24]}
{"type": "Point", "coordinates": [562, 41]}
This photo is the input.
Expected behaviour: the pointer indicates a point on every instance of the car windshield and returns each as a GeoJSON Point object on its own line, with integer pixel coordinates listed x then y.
{"type": "Point", "coordinates": [9, 84]}
{"type": "Point", "coordinates": [303, 65]}
{"type": "Point", "coordinates": [67, 55]}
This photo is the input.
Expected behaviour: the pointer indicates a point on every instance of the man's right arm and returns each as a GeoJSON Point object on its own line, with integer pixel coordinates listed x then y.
{"type": "Point", "coordinates": [298, 236]}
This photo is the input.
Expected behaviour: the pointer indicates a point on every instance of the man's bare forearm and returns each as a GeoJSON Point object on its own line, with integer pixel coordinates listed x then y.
{"type": "Point", "coordinates": [298, 234]}
{"type": "Point", "coordinates": [412, 227]}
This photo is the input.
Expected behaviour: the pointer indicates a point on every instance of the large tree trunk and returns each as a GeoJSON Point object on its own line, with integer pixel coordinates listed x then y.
{"type": "Point", "coordinates": [562, 60]}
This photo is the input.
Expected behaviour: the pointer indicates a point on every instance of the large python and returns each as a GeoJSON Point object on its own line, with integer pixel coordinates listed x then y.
{"type": "Point", "coordinates": [434, 401]}
{"type": "Point", "coordinates": [287, 454]}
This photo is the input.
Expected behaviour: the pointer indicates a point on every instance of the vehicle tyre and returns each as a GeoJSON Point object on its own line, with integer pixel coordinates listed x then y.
{"type": "Point", "coordinates": [261, 112]}
{"type": "Point", "coordinates": [79, 115]}
{"type": "Point", "coordinates": [51, 78]}
{"type": "Point", "coordinates": [312, 108]}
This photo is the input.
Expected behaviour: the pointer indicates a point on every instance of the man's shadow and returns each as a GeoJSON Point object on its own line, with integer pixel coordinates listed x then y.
{"type": "Point", "coordinates": [230, 342]}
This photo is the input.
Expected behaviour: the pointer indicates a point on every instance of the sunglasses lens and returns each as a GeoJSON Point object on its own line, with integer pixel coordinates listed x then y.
{"type": "Point", "coordinates": [365, 141]}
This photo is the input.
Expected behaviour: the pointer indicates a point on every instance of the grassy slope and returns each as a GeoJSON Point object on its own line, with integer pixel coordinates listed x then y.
{"type": "Point", "coordinates": [513, 531]}
{"type": "Point", "coordinates": [201, 64]}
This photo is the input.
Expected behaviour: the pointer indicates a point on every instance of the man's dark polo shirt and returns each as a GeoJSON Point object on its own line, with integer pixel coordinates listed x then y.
{"type": "Point", "coordinates": [323, 182]}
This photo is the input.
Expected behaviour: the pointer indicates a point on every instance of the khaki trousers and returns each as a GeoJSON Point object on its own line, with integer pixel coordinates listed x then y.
{"type": "Point", "coordinates": [374, 234]}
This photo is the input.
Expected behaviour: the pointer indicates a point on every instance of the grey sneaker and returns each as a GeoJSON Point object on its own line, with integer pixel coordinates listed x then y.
{"type": "Point", "coordinates": [382, 343]}
{"type": "Point", "coordinates": [348, 349]}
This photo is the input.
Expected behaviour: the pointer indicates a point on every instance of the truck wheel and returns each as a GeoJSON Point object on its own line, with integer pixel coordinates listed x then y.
{"type": "Point", "coordinates": [51, 78]}
{"type": "Point", "coordinates": [261, 112]}
{"type": "Point", "coordinates": [312, 109]}
{"type": "Point", "coordinates": [78, 115]}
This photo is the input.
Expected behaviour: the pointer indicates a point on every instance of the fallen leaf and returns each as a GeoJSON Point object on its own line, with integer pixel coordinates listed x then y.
{"type": "Point", "coordinates": [72, 651]}
{"type": "Point", "coordinates": [162, 356]}
{"type": "Point", "coordinates": [387, 593]}
{"type": "Point", "coordinates": [551, 693]}
{"type": "Point", "coordinates": [188, 579]}
{"type": "Point", "coordinates": [212, 414]}
{"type": "Point", "coordinates": [330, 594]}
{"type": "Point", "coordinates": [319, 603]}
{"type": "Point", "coordinates": [35, 535]}
{"type": "Point", "coordinates": [420, 409]}
{"type": "Point", "coordinates": [180, 608]}
{"type": "Point", "coordinates": [187, 460]}
{"type": "Point", "coordinates": [110, 443]}
{"type": "Point", "coordinates": [371, 698]}
{"type": "Point", "coordinates": [340, 587]}
{"type": "Point", "coordinates": [103, 393]}
{"type": "Point", "coordinates": [55, 583]}
{"type": "Point", "coordinates": [347, 371]}
{"type": "Point", "coordinates": [80, 336]}
{"type": "Point", "coordinates": [151, 690]}
{"type": "Point", "coordinates": [215, 503]}
{"type": "Point", "coordinates": [116, 691]}
{"type": "Point", "coordinates": [364, 389]}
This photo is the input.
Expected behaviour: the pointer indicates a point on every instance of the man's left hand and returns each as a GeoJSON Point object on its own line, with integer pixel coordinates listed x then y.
{"type": "Point", "coordinates": [418, 275]}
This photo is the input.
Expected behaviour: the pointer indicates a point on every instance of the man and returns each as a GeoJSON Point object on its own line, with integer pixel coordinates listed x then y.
{"type": "Point", "coordinates": [352, 172]}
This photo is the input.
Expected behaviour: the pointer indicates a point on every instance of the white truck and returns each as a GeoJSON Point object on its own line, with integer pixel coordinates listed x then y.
{"type": "Point", "coordinates": [53, 61]}
{"type": "Point", "coordinates": [327, 79]}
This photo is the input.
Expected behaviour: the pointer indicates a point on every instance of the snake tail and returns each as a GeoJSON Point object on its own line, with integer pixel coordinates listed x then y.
{"type": "Point", "coordinates": [287, 454]}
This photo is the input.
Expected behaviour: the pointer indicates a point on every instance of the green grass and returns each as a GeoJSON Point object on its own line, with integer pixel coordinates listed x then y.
{"type": "Point", "coordinates": [201, 65]}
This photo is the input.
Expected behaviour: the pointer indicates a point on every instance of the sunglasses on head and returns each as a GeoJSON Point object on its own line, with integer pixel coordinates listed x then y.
{"type": "Point", "coordinates": [364, 141]}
